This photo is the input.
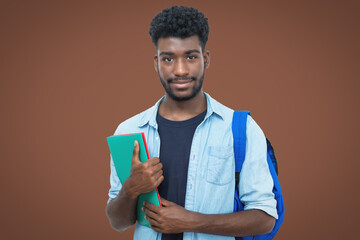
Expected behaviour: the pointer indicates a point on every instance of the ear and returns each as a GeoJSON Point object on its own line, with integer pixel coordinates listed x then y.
{"type": "Point", "coordinates": [156, 63]}
{"type": "Point", "coordinates": [207, 58]}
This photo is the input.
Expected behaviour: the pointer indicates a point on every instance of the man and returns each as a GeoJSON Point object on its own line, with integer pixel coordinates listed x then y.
{"type": "Point", "coordinates": [191, 147]}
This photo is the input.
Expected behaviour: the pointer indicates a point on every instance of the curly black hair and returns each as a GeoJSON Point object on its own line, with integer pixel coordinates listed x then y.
{"type": "Point", "coordinates": [179, 21]}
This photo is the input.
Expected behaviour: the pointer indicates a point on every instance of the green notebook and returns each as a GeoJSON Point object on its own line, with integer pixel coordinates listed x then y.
{"type": "Point", "coordinates": [121, 149]}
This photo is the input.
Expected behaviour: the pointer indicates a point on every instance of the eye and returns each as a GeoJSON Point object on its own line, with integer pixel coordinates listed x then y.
{"type": "Point", "coordinates": [167, 59]}
{"type": "Point", "coordinates": [191, 57]}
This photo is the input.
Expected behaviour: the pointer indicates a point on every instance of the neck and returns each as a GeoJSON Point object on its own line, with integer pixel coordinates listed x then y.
{"type": "Point", "coordinates": [182, 110]}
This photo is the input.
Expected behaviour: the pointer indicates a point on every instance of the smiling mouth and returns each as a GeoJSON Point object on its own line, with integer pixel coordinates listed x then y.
{"type": "Point", "coordinates": [181, 84]}
{"type": "Point", "coordinates": [181, 80]}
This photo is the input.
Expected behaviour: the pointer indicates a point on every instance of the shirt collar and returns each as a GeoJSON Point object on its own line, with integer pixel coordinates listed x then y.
{"type": "Point", "coordinates": [149, 117]}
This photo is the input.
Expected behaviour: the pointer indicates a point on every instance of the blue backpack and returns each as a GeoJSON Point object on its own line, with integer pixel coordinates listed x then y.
{"type": "Point", "coordinates": [239, 133]}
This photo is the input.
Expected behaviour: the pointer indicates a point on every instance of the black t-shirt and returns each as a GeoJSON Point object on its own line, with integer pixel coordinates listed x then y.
{"type": "Point", "coordinates": [176, 138]}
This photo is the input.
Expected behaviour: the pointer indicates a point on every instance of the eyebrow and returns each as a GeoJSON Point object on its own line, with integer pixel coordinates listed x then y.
{"type": "Point", "coordinates": [186, 52]}
{"type": "Point", "coordinates": [192, 51]}
{"type": "Point", "coordinates": [166, 53]}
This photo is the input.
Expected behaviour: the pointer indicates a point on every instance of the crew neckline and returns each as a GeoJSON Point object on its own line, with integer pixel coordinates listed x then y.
{"type": "Point", "coordinates": [197, 119]}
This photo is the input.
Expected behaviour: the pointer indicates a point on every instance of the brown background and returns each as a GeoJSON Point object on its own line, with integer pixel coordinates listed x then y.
{"type": "Point", "coordinates": [71, 71]}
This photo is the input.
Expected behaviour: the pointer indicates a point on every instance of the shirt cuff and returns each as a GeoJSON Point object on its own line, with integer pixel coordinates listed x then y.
{"type": "Point", "coordinates": [268, 206]}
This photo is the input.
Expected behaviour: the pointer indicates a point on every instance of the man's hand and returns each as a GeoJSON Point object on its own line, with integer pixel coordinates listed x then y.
{"type": "Point", "coordinates": [144, 177]}
{"type": "Point", "coordinates": [170, 218]}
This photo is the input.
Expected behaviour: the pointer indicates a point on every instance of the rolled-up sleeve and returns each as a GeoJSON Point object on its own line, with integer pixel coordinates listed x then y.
{"type": "Point", "coordinates": [115, 184]}
{"type": "Point", "coordinates": [256, 183]}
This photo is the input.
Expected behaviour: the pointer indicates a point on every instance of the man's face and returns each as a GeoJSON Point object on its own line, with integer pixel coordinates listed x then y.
{"type": "Point", "coordinates": [181, 63]}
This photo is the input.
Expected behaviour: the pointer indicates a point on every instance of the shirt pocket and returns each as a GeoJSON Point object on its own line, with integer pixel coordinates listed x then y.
{"type": "Point", "coordinates": [220, 169]}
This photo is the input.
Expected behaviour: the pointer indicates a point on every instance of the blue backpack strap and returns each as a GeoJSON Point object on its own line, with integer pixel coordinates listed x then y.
{"type": "Point", "coordinates": [239, 134]}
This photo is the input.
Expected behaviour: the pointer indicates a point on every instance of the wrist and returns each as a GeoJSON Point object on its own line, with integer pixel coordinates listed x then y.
{"type": "Point", "coordinates": [129, 192]}
{"type": "Point", "coordinates": [194, 219]}
{"type": "Point", "coordinates": [200, 222]}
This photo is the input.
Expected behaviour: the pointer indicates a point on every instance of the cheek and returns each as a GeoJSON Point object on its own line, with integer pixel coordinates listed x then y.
{"type": "Point", "coordinates": [160, 72]}
{"type": "Point", "coordinates": [199, 70]}
{"type": "Point", "coordinates": [200, 66]}
{"type": "Point", "coordinates": [163, 70]}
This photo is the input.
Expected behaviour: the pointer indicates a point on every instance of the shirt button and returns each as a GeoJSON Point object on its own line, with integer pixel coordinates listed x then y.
{"type": "Point", "coordinates": [190, 186]}
{"type": "Point", "coordinates": [157, 138]}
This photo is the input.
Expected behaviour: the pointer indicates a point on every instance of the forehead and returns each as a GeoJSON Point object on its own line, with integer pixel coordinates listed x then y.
{"type": "Point", "coordinates": [178, 45]}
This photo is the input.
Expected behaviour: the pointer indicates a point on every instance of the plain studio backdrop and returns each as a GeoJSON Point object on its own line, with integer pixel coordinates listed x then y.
{"type": "Point", "coordinates": [71, 71]}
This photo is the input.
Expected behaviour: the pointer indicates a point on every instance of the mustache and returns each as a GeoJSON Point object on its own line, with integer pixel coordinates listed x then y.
{"type": "Point", "coordinates": [170, 80]}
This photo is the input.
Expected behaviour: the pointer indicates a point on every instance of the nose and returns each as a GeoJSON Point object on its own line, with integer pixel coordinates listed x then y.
{"type": "Point", "coordinates": [181, 68]}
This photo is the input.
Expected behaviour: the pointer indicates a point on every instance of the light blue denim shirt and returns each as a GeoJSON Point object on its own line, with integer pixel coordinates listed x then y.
{"type": "Point", "coordinates": [211, 173]}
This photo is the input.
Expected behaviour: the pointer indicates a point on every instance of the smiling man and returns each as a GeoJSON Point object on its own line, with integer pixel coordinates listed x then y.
{"type": "Point", "coordinates": [190, 142]}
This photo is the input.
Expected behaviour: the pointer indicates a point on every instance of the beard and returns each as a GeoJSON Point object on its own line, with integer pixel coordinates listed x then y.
{"type": "Point", "coordinates": [195, 90]}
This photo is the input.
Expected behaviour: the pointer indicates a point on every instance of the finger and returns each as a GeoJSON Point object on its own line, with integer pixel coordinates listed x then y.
{"type": "Point", "coordinates": [153, 170]}
{"type": "Point", "coordinates": [150, 214]}
{"type": "Point", "coordinates": [156, 228]}
{"type": "Point", "coordinates": [149, 207]}
{"type": "Point", "coordinates": [153, 222]}
{"type": "Point", "coordinates": [157, 167]}
{"type": "Point", "coordinates": [158, 174]}
{"type": "Point", "coordinates": [153, 161]}
{"type": "Point", "coordinates": [135, 156]}
{"type": "Point", "coordinates": [159, 181]}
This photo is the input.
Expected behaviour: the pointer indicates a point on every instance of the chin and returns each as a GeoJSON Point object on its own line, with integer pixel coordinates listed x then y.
{"type": "Point", "coordinates": [183, 97]}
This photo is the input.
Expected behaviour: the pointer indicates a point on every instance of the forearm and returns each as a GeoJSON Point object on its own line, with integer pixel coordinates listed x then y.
{"type": "Point", "coordinates": [243, 223]}
{"type": "Point", "coordinates": [121, 211]}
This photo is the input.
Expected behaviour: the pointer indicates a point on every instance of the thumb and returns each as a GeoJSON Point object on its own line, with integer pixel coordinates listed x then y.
{"type": "Point", "coordinates": [135, 156]}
